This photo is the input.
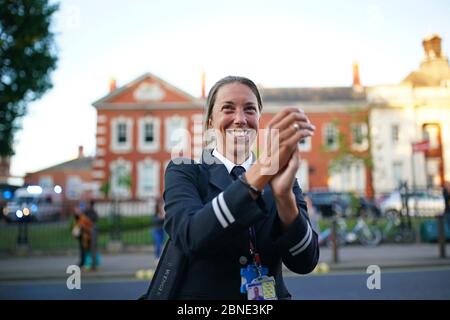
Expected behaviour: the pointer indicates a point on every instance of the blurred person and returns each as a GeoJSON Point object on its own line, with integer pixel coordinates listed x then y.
{"type": "Point", "coordinates": [446, 195]}
{"type": "Point", "coordinates": [227, 212]}
{"type": "Point", "coordinates": [82, 232]}
{"type": "Point", "coordinates": [157, 230]}
{"type": "Point", "coordinates": [92, 215]}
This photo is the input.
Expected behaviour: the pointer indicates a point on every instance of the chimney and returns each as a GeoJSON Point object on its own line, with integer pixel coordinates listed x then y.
{"type": "Point", "coordinates": [432, 46]}
{"type": "Point", "coordinates": [112, 85]}
{"type": "Point", "coordinates": [356, 80]}
{"type": "Point", "coordinates": [203, 85]}
{"type": "Point", "coordinates": [80, 152]}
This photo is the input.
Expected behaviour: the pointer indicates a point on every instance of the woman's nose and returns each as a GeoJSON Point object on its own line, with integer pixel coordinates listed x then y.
{"type": "Point", "coordinates": [239, 117]}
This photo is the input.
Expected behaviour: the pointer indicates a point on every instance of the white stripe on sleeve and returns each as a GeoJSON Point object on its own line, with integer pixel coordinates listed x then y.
{"type": "Point", "coordinates": [218, 213]}
{"type": "Point", "coordinates": [224, 207]}
{"type": "Point", "coordinates": [306, 244]}
{"type": "Point", "coordinates": [305, 238]}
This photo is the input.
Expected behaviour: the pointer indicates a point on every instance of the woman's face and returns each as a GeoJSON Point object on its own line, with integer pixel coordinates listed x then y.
{"type": "Point", "coordinates": [235, 120]}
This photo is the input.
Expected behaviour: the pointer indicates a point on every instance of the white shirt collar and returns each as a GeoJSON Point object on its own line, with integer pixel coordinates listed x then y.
{"type": "Point", "coordinates": [229, 164]}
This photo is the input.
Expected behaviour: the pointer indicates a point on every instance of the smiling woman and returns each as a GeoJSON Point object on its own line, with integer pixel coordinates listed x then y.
{"type": "Point", "coordinates": [236, 218]}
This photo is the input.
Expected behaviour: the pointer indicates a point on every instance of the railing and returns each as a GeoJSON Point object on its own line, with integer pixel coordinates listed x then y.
{"type": "Point", "coordinates": [128, 222]}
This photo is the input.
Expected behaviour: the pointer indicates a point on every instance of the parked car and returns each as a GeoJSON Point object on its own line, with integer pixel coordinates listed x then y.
{"type": "Point", "coordinates": [34, 204]}
{"type": "Point", "coordinates": [420, 203]}
{"type": "Point", "coordinates": [327, 203]}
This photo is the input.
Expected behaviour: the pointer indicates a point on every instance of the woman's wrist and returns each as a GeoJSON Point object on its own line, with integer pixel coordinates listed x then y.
{"type": "Point", "coordinates": [287, 208]}
{"type": "Point", "coordinates": [255, 177]}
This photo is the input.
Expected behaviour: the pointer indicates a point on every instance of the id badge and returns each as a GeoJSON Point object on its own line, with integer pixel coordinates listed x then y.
{"type": "Point", "coordinates": [262, 288]}
{"type": "Point", "coordinates": [250, 273]}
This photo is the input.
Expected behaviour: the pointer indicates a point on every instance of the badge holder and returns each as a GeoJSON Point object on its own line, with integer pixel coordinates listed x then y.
{"type": "Point", "coordinates": [262, 288]}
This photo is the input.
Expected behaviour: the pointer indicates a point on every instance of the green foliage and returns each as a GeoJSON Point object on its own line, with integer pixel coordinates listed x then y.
{"type": "Point", "coordinates": [27, 57]}
{"type": "Point", "coordinates": [344, 156]}
{"type": "Point", "coordinates": [105, 188]}
{"type": "Point", "coordinates": [125, 223]}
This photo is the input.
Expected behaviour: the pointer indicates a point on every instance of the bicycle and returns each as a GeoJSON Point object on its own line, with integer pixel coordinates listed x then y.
{"type": "Point", "coordinates": [396, 228]}
{"type": "Point", "coordinates": [364, 232]}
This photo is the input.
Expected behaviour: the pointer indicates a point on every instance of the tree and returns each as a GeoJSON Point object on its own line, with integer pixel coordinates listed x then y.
{"type": "Point", "coordinates": [27, 57]}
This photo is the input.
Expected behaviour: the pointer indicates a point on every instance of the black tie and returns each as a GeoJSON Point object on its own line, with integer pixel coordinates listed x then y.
{"type": "Point", "coordinates": [236, 172]}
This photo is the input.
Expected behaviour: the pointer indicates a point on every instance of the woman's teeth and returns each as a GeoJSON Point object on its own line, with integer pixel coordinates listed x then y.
{"type": "Point", "coordinates": [237, 133]}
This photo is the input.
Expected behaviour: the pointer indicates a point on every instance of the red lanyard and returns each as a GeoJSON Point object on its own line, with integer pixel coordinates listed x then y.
{"type": "Point", "coordinates": [253, 252]}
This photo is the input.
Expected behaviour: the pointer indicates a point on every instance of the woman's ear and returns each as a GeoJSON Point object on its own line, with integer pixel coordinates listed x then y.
{"type": "Point", "coordinates": [209, 122]}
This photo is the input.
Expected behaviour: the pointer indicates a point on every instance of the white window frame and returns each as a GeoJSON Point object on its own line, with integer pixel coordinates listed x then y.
{"type": "Point", "coordinates": [351, 178]}
{"type": "Point", "coordinates": [141, 193]}
{"type": "Point", "coordinates": [365, 142]}
{"type": "Point", "coordinates": [305, 145]}
{"type": "Point", "coordinates": [115, 190]}
{"type": "Point", "coordinates": [330, 126]}
{"type": "Point", "coordinates": [302, 175]}
{"type": "Point", "coordinates": [169, 131]}
{"type": "Point", "coordinates": [397, 172]}
{"type": "Point", "coordinates": [115, 145]}
{"type": "Point", "coordinates": [149, 146]}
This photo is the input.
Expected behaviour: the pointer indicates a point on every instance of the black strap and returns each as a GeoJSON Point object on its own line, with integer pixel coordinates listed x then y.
{"type": "Point", "coordinates": [167, 277]}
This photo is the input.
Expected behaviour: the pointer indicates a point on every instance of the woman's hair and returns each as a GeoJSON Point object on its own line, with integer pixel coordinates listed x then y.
{"type": "Point", "coordinates": [227, 80]}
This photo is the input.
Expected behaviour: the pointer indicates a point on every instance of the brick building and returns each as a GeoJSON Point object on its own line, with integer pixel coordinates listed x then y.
{"type": "Point", "coordinates": [140, 123]}
{"type": "Point", "coordinates": [74, 177]}
{"type": "Point", "coordinates": [137, 127]}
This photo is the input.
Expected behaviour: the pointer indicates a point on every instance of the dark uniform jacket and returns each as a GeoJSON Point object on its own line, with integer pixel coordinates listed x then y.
{"type": "Point", "coordinates": [208, 216]}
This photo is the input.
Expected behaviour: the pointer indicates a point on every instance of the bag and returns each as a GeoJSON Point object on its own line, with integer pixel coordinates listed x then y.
{"type": "Point", "coordinates": [168, 274]}
{"type": "Point", "coordinates": [76, 231]}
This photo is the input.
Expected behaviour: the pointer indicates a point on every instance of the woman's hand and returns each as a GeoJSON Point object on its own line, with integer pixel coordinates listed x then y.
{"type": "Point", "coordinates": [283, 181]}
{"type": "Point", "coordinates": [281, 139]}
{"type": "Point", "coordinates": [283, 134]}
{"type": "Point", "coordinates": [281, 185]}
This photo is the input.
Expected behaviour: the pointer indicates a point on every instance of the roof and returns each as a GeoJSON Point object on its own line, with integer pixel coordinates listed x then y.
{"type": "Point", "coordinates": [139, 79]}
{"type": "Point", "coordinates": [83, 163]}
{"type": "Point", "coordinates": [422, 78]}
{"type": "Point", "coordinates": [312, 94]}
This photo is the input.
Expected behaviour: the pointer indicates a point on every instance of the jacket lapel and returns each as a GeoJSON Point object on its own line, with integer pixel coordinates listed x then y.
{"type": "Point", "coordinates": [218, 173]}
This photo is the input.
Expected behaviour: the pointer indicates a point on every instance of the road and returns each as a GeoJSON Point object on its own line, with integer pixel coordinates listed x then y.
{"type": "Point", "coordinates": [420, 284]}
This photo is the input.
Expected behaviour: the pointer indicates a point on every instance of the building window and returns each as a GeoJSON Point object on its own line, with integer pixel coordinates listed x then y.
{"type": "Point", "coordinates": [120, 179]}
{"type": "Point", "coordinates": [46, 182]}
{"type": "Point", "coordinates": [350, 178]}
{"type": "Point", "coordinates": [121, 134]}
{"type": "Point", "coordinates": [149, 134]}
{"type": "Point", "coordinates": [395, 133]}
{"type": "Point", "coordinates": [397, 172]}
{"type": "Point", "coordinates": [148, 178]}
{"type": "Point", "coordinates": [74, 187]}
{"type": "Point", "coordinates": [305, 144]}
{"type": "Point", "coordinates": [359, 136]}
{"type": "Point", "coordinates": [175, 133]}
{"type": "Point", "coordinates": [330, 136]}
{"type": "Point", "coordinates": [431, 134]}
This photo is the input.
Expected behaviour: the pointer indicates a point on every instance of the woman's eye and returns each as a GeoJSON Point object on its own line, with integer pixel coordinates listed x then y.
{"type": "Point", "coordinates": [227, 109]}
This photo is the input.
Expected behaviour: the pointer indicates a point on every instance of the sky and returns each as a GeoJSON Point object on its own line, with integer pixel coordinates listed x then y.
{"type": "Point", "coordinates": [276, 43]}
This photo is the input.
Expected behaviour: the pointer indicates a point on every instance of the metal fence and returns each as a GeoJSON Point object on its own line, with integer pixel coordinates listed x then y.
{"type": "Point", "coordinates": [127, 222]}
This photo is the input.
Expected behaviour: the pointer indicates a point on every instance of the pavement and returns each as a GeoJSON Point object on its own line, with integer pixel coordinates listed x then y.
{"type": "Point", "coordinates": [140, 263]}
